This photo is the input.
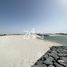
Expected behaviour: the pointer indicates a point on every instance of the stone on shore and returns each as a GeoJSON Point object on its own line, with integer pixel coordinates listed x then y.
{"type": "Point", "coordinates": [55, 57]}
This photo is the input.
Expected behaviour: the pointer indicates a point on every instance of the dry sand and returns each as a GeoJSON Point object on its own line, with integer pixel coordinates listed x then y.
{"type": "Point", "coordinates": [18, 52]}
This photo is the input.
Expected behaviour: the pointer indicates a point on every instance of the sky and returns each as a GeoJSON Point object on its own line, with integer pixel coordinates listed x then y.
{"type": "Point", "coordinates": [47, 16]}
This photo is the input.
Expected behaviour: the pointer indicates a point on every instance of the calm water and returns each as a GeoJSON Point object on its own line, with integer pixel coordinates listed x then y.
{"type": "Point", "coordinates": [62, 39]}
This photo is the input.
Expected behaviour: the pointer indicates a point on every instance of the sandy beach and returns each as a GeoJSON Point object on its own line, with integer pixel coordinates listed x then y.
{"type": "Point", "coordinates": [15, 51]}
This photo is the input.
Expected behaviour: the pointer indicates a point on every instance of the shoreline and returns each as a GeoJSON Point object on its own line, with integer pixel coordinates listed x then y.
{"type": "Point", "coordinates": [18, 52]}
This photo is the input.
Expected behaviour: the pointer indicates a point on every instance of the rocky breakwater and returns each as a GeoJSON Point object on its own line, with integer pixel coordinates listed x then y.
{"type": "Point", "coordinates": [55, 57]}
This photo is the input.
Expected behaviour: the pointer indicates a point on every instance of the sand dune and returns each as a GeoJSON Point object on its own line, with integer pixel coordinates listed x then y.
{"type": "Point", "coordinates": [18, 52]}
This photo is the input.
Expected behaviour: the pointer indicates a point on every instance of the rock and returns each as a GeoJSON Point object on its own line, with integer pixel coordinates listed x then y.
{"type": "Point", "coordinates": [58, 65]}
{"type": "Point", "coordinates": [40, 65]}
{"type": "Point", "coordinates": [54, 55]}
{"type": "Point", "coordinates": [62, 55]}
{"type": "Point", "coordinates": [42, 59]}
{"type": "Point", "coordinates": [46, 56]}
{"type": "Point", "coordinates": [48, 61]}
{"type": "Point", "coordinates": [63, 62]}
{"type": "Point", "coordinates": [51, 66]}
{"type": "Point", "coordinates": [40, 62]}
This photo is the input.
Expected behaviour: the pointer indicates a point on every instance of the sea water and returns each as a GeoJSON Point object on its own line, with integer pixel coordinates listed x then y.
{"type": "Point", "coordinates": [62, 39]}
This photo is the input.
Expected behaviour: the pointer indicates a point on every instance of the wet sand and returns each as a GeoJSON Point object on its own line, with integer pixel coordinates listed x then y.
{"type": "Point", "coordinates": [18, 52]}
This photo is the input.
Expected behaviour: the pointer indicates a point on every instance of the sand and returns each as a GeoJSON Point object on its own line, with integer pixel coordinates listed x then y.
{"type": "Point", "coordinates": [15, 51]}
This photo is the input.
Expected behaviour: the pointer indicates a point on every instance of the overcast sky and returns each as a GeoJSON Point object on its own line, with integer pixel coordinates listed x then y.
{"type": "Point", "coordinates": [17, 16]}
